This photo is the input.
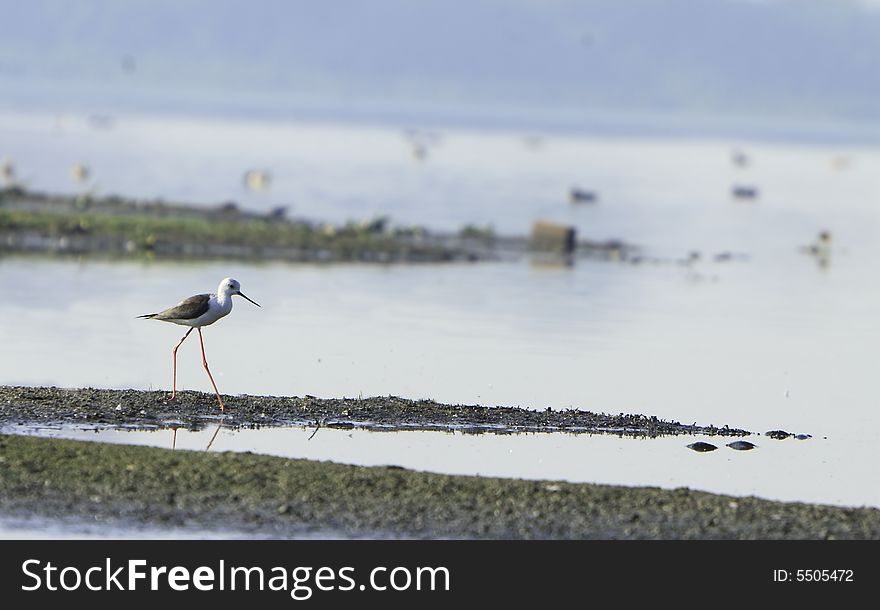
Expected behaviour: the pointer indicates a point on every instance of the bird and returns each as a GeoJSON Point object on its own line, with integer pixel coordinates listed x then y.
{"type": "Point", "coordinates": [821, 249]}
{"type": "Point", "coordinates": [195, 312]}
{"type": "Point", "coordinates": [7, 171]}
{"type": "Point", "coordinates": [79, 172]}
{"type": "Point", "coordinates": [257, 180]}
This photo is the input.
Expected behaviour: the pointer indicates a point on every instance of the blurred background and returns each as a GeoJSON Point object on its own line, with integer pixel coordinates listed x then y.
{"type": "Point", "coordinates": [778, 67]}
{"type": "Point", "coordinates": [707, 169]}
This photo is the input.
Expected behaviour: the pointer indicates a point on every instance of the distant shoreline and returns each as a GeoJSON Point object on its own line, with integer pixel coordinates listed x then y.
{"type": "Point", "coordinates": [566, 120]}
{"type": "Point", "coordinates": [113, 226]}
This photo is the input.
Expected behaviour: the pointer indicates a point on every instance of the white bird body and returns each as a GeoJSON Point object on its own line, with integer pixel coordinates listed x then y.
{"type": "Point", "coordinates": [218, 307]}
{"type": "Point", "coordinates": [195, 312]}
{"type": "Point", "coordinates": [202, 309]}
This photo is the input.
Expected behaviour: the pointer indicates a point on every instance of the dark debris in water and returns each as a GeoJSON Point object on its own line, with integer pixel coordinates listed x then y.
{"type": "Point", "coordinates": [702, 447]}
{"type": "Point", "coordinates": [21, 405]}
{"type": "Point", "coordinates": [780, 435]}
{"type": "Point", "coordinates": [741, 445]}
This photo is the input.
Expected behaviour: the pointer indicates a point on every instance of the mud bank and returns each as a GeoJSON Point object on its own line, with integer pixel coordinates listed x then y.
{"type": "Point", "coordinates": [263, 496]}
{"type": "Point", "coordinates": [117, 227]}
{"type": "Point", "coordinates": [194, 409]}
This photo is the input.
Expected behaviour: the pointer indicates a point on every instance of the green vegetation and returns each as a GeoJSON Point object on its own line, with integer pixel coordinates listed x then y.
{"type": "Point", "coordinates": [146, 231]}
{"type": "Point", "coordinates": [472, 231]}
{"type": "Point", "coordinates": [134, 233]}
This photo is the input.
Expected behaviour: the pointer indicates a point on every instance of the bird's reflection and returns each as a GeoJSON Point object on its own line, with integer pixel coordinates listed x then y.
{"type": "Point", "coordinates": [216, 432]}
{"type": "Point", "coordinates": [210, 442]}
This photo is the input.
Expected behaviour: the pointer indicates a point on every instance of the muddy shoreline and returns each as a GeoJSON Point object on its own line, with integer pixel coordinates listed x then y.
{"type": "Point", "coordinates": [247, 495]}
{"type": "Point", "coordinates": [152, 409]}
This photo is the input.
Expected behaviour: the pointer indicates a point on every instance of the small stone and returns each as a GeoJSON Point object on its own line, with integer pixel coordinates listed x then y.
{"type": "Point", "coordinates": [701, 446]}
{"type": "Point", "coordinates": [741, 445]}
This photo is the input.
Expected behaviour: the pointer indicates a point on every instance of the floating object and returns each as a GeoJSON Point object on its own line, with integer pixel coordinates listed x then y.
{"type": "Point", "coordinates": [7, 170]}
{"type": "Point", "coordinates": [195, 312]}
{"type": "Point", "coordinates": [79, 172]}
{"type": "Point", "coordinates": [552, 237]}
{"type": "Point", "coordinates": [739, 158]}
{"type": "Point", "coordinates": [820, 250]}
{"type": "Point", "coordinates": [782, 435]}
{"type": "Point", "coordinates": [692, 257]}
{"type": "Point", "coordinates": [257, 180]}
{"type": "Point", "coordinates": [421, 142]}
{"type": "Point", "coordinates": [741, 445]}
{"type": "Point", "coordinates": [702, 447]}
{"type": "Point", "coordinates": [420, 152]}
{"type": "Point", "coordinates": [744, 192]}
{"type": "Point", "coordinates": [726, 257]}
{"type": "Point", "coordinates": [822, 246]}
{"type": "Point", "coordinates": [576, 195]}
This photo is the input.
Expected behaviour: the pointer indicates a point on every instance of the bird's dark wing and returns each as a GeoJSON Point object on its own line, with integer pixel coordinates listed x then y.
{"type": "Point", "coordinates": [188, 309]}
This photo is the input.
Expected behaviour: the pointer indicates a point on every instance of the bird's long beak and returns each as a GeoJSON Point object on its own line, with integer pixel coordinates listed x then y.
{"type": "Point", "coordinates": [241, 294]}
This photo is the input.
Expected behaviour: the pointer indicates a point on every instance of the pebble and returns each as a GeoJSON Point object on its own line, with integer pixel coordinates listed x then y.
{"type": "Point", "coordinates": [701, 446]}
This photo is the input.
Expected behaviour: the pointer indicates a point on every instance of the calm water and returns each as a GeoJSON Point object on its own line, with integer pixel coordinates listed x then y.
{"type": "Point", "coordinates": [773, 341]}
{"type": "Point", "coordinates": [662, 462]}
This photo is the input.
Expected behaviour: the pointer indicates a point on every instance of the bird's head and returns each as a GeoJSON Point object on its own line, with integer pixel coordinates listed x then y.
{"type": "Point", "coordinates": [230, 286]}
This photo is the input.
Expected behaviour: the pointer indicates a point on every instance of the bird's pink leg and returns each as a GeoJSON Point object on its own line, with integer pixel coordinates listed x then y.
{"type": "Point", "coordinates": [207, 370]}
{"type": "Point", "coordinates": [174, 359]}
{"type": "Point", "coordinates": [217, 431]}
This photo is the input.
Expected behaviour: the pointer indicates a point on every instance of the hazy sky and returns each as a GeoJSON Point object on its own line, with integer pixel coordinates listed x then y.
{"type": "Point", "coordinates": [808, 59]}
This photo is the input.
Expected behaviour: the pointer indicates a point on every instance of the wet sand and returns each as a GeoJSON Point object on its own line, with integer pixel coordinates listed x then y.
{"type": "Point", "coordinates": [263, 496]}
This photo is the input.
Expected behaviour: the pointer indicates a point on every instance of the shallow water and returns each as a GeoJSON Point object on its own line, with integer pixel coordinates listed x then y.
{"type": "Point", "coordinates": [772, 341]}
{"type": "Point", "coordinates": [664, 462]}
{"type": "Point", "coordinates": [36, 528]}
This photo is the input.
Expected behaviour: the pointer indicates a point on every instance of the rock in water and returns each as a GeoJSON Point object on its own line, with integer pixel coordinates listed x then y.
{"type": "Point", "coordinates": [701, 446]}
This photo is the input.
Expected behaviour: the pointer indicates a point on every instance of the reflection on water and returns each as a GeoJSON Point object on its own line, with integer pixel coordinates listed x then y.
{"type": "Point", "coordinates": [779, 470]}
{"type": "Point", "coordinates": [745, 329]}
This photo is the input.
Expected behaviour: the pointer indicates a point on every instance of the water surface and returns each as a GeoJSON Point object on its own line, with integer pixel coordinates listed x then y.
{"type": "Point", "coordinates": [771, 340]}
